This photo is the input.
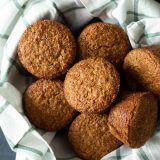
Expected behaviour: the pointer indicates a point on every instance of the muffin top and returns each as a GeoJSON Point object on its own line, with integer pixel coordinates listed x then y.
{"type": "Point", "coordinates": [104, 40]}
{"type": "Point", "coordinates": [47, 49]}
{"type": "Point", "coordinates": [142, 69]}
{"type": "Point", "coordinates": [90, 137]}
{"type": "Point", "coordinates": [91, 85]}
{"type": "Point", "coordinates": [46, 106]}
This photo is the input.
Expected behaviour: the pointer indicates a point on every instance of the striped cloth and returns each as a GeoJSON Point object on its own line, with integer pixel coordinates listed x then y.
{"type": "Point", "coordinates": [139, 18]}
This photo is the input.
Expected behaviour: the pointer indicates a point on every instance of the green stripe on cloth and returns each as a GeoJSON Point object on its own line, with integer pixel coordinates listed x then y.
{"type": "Point", "coordinates": [3, 107]}
{"type": "Point", "coordinates": [60, 14]}
{"type": "Point", "coordinates": [4, 36]}
{"type": "Point", "coordinates": [148, 35]}
{"type": "Point", "coordinates": [139, 24]}
{"type": "Point", "coordinates": [143, 154]}
{"type": "Point", "coordinates": [16, 3]}
{"type": "Point", "coordinates": [137, 14]}
{"type": "Point", "coordinates": [36, 151]}
{"type": "Point", "coordinates": [118, 154]}
{"type": "Point", "coordinates": [151, 35]}
{"type": "Point", "coordinates": [16, 145]}
{"type": "Point", "coordinates": [30, 130]}
{"type": "Point", "coordinates": [10, 142]}
{"type": "Point", "coordinates": [114, 1]}
{"type": "Point", "coordinates": [136, 9]}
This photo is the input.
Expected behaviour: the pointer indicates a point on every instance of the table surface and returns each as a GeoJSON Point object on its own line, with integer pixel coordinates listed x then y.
{"type": "Point", "coordinates": [5, 151]}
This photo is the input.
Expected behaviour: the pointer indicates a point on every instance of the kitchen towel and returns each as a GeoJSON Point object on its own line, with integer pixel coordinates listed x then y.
{"type": "Point", "coordinates": [139, 18]}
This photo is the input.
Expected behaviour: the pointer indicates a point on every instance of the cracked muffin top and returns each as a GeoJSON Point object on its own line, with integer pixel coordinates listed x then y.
{"type": "Point", "coordinates": [45, 105]}
{"type": "Point", "coordinates": [91, 85]}
{"type": "Point", "coordinates": [47, 49]}
{"type": "Point", "coordinates": [104, 40]}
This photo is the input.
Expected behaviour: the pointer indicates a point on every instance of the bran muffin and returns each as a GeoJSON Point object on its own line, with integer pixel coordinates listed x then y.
{"type": "Point", "coordinates": [45, 105]}
{"type": "Point", "coordinates": [91, 85]}
{"type": "Point", "coordinates": [90, 137]}
{"type": "Point", "coordinates": [133, 120]}
{"type": "Point", "coordinates": [104, 40]}
{"type": "Point", "coordinates": [142, 69]}
{"type": "Point", "coordinates": [47, 49]}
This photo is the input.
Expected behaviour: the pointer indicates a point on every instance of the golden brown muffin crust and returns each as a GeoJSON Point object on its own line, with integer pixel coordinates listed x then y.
{"type": "Point", "coordinates": [47, 49]}
{"type": "Point", "coordinates": [133, 120]}
{"type": "Point", "coordinates": [90, 137]}
{"type": "Point", "coordinates": [104, 40]}
{"type": "Point", "coordinates": [142, 69]}
{"type": "Point", "coordinates": [46, 106]}
{"type": "Point", "coordinates": [91, 85]}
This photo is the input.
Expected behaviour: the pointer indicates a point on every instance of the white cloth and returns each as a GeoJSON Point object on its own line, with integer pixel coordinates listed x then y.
{"type": "Point", "coordinates": [139, 18]}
